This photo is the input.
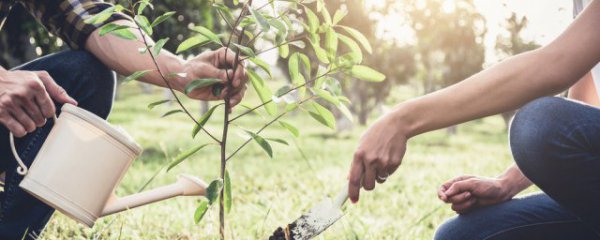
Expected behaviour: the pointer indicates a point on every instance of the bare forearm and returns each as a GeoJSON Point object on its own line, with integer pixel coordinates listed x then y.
{"type": "Point", "coordinates": [510, 84]}
{"type": "Point", "coordinates": [504, 87]}
{"type": "Point", "coordinates": [122, 56]}
{"type": "Point", "coordinates": [514, 181]}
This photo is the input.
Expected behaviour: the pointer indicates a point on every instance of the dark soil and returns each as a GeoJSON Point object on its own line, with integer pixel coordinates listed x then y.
{"type": "Point", "coordinates": [284, 234]}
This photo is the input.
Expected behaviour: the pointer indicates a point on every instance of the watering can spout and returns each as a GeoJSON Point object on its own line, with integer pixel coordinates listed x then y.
{"type": "Point", "coordinates": [186, 185]}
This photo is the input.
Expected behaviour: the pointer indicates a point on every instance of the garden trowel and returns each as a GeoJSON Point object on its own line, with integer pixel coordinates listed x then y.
{"type": "Point", "coordinates": [311, 224]}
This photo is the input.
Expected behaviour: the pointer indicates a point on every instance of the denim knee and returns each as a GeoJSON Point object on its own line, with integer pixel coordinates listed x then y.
{"type": "Point", "coordinates": [96, 82]}
{"type": "Point", "coordinates": [452, 229]}
{"type": "Point", "coordinates": [534, 133]}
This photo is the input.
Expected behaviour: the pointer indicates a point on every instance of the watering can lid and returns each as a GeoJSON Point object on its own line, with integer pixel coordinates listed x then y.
{"type": "Point", "coordinates": [115, 132]}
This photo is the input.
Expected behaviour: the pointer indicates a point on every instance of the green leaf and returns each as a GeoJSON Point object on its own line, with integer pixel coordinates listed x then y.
{"type": "Point", "coordinates": [124, 33]}
{"type": "Point", "coordinates": [366, 73]}
{"type": "Point", "coordinates": [345, 111]}
{"type": "Point", "coordinates": [262, 21]}
{"type": "Point", "coordinates": [159, 46]}
{"type": "Point", "coordinates": [284, 51]}
{"type": "Point", "coordinates": [263, 91]}
{"type": "Point", "coordinates": [198, 40]}
{"type": "Point", "coordinates": [312, 19]}
{"type": "Point", "coordinates": [142, 6]}
{"type": "Point", "coordinates": [212, 192]}
{"type": "Point", "coordinates": [185, 155]}
{"type": "Point", "coordinates": [355, 52]}
{"type": "Point", "coordinates": [278, 140]}
{"type": "Point", "coordinates": [144, 24]}
{"type": "Point", "coordinates": [171, 112]}
{"type": "Point", "coordinates": [293, 130]}
{"type": "Point", "coordinates": [162, 18]}
{"type": "Point", "coordinates": [154, 104]}
{"type": "Point", "coordinates": [201, 83]}
{"type": "Point", "coordinates": [322, 115]}
{"type": "Point", "coordinates": [245, 50]}
{"type": "Point", "coordinates": [299, 44]}
{"type": "Point", "coordinates": [101, 16]}
{"type": "Point", "coordinates": [200, 211]}
{"type": "Point", "coordinates": [282, 30]}
{"type": "Point", "coordinates": [306, 62]}
{"type": "Point", "coordinates": [359, 37]}
{"type": "Point", "coordinates": [320, 5]}
{"type": "Point", "coordinates": [111, 27]}
{"type": "Point", "coordinates": [331, 42]}
{"type": "Point", "coordinates": [326, 17]}
{"type": "Point", "coordinates": [293, 66]}
{"type": "Point", "coordinates": [338, 16]}
{"type": "Point", "coordinates": [202, 121]}
{"type": "Point", "coordinates": [325, 95]}
{"type": "Point", "coordinates": [136, 75]}
{"type": "Point", "coordinates": [207, 33]}
{"type": "Point", "coordinates": [262, 142]}
{"type": "Point", "coordinates": [227, 192]}
{"type": "Point", "coordinates": [321, 53]}
{"type": "Point", "coordinates": [262, 64]}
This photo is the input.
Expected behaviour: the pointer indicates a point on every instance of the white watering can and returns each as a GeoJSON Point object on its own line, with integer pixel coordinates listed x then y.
{"type": "Point", "coordinates": [80, 164]}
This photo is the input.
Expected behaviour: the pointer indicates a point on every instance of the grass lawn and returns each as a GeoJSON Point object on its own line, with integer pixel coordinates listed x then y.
{"type": "Point", "coordinates": [268, 193]}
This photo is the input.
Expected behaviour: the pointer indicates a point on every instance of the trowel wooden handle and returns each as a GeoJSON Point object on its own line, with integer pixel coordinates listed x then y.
{"type": "Point", "coordinates": [342, 196]}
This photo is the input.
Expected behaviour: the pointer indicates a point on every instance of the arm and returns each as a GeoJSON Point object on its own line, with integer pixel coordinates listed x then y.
{"type": "Point", "coordinates": [506, 86]}
{"type": "Point", "coordinates": [465, 193]}
{"type": "Point", "coordinates": [122, 56]}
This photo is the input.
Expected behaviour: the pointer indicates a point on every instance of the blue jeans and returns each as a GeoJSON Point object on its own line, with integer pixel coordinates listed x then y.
{"type": "Point", "coordinates": [92, 84]}
{"type": "Point", "coordinates": [556, 144]}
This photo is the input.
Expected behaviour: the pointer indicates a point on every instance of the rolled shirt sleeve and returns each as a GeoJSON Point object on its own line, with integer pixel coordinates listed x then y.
{"type": "Point", "coordinates": [66, 18]}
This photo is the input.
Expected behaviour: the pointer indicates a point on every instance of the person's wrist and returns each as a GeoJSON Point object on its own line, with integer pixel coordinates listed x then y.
{"type": "Point", "coordinates": [402, 117]}
{"type": "Point", "coordinates": [177, 74]}
{"type": "Point", "coordinates": [508, 187]}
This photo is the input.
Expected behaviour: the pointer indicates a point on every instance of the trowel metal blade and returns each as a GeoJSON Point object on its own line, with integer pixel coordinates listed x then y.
{"type": "Point", "coordinates": [318, 219]}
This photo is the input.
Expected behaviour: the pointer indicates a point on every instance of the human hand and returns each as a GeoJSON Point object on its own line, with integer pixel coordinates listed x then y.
{"type": "Point", "coordinates": [26, 100]}
{"type": "Point", "coordinates": [379, 154]}
{"type": "Point", "coordinates": [466, 193]}
{"type": "Point", "coordinates": [213, 64]}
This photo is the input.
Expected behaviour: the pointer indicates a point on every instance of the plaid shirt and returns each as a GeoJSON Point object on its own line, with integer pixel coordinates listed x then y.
{"type": "Point", "coordinates": [63, 18]}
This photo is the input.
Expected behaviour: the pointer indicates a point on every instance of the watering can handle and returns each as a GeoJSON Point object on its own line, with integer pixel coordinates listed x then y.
{"type": "Point", "coordinates": [22, 168]}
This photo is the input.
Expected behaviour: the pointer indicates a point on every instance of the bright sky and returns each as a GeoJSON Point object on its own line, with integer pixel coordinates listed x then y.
{"type": "Point", "coordinates": [547, 19]}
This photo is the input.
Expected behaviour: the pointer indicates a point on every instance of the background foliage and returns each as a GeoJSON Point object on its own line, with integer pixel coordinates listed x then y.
{"type": "Point", "coordinates": [447, 48]}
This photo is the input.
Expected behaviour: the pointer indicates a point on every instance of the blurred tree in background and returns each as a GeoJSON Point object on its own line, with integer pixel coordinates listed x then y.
{"type": "Point", "coordinates": [447, 48]}
{"type": "Point", "coordinates": [511, 44]}
{"type": "Point", "coordinates": [395, 61]}
{"type": "Point", "coordinates": [449, 37]}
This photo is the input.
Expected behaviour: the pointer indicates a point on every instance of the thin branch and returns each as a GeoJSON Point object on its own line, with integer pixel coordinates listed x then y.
{"type": "Point", "coordinates": [272, 48]}
{"type": "Point", "coordinates": [280, 95]}
{"type": "Point", "coordinates": [169, 83]}
{"type": "Point", "coordinates": [265, 127]}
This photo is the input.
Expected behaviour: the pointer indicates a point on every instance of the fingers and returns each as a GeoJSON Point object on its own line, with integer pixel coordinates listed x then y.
{"type": "Point", "coordinates": [225, 57]}
{"type": "Point", "coordinates": [355, 179]}
{"type": "Point", "coordinates": [382, 174]}
{"type": "Point", "coordinates": [45, 105]}
{"type": "Point", "coordinates": [442, 194]}
{"type": "Point", "coordinates": [465, 206]}
{"type": "Point", "coordinates": [459, 187]}
{"type": "Point", "coordinates": [369, 178]}
{"type": "Point", "coordinates": [13, 126]}
{"type": "Point", "coordinates": [24, 120]}
{"type": "Point", "coordinates": [460, 198]}
{"type": "Point", "coordinates": [237, 98]}
{"type": "Point", "coordinates": [55, 91]}
{"type": "Point", "coordinates": [34, 112]}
